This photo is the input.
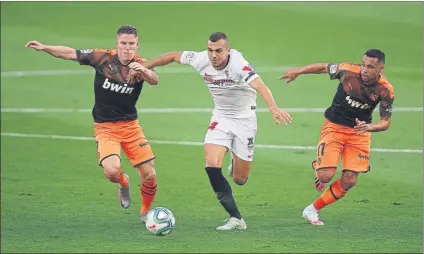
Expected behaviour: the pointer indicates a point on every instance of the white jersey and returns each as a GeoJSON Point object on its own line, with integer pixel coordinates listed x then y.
{"type": "Point", "coordinates": [232, 95]}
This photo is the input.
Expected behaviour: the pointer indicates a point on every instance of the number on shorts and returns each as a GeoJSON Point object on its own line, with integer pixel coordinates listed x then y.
{"type": "Point", "coordinates": [320, 148]}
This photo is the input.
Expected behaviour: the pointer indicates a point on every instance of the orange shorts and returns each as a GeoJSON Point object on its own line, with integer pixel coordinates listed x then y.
{"type": "Point", "coordinates": [129, 135]}
{"type": "Point", "coordinates": [341, 141]}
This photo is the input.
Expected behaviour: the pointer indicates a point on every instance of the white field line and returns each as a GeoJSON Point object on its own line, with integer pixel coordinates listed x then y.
{"type": "Point", "coordinates": [180, 110]}
{"type": "Point", "coordinates": [149, 110]}
{"type": "Point", "coordinates": [189, 143]}
{"type": "Point", "coordinates": [165, 70]}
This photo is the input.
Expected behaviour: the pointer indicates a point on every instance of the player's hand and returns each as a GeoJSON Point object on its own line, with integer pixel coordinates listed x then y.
{"type": "Point", "coordinates": [361, 126]}
{"type": "Point", "coordinates": [137, 67]}
{"type": "Point", "coordinates": [35, 45]}
{"type": "Point", "coordinates": [135, 73]}
{"type": "Point", "coordinates": [134, 77]}
{"type": "Point", "coordinates": [290, 75]}
{"type": "Point", "coordinates": [280, 115]}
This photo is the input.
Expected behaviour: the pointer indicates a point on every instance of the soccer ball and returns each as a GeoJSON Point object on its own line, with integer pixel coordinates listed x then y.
{"type": "Point", "coordinates": [160, 221]}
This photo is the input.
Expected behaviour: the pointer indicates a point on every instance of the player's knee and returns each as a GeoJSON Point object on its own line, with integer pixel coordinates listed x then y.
{"type": "Point", "coordinates": [325, 175]}
{"type": "Point", "coordinates": [240, 174]}
{"type": "Point", "coordinates": [240, 180]}
{"type": "Point", "coordinates": [112, 169]}
{"type": "Point", "coordinates": [112, 165]}
{"type": "Point", "coordinates": [150, 176]}
{"type": "Point", "coordinates": [214, 155]}
{"type": "Point", "coordinates": [112, 172]}
{"type": "Point", "coordinates": [325, 178]}
{"type": "Point", "coordinates": [147, 171]}
{"type": "Point", "coordinates": [348, 182]}
{"type": "Point", "coordinates": [213, 162]}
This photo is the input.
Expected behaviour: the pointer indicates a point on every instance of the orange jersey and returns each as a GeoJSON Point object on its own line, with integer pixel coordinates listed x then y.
{"type": "Point", "coordinates": [115, 99]}
{"type": "Point", "coordinates": [353, 99]}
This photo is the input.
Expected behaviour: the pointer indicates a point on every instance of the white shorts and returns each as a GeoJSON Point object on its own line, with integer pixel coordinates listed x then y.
{"type": "Point", "coordinates": [238, 135]}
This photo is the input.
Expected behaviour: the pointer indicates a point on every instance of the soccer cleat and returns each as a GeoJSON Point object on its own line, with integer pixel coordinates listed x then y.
{"type": "Point", "coordinates": [124, 194]}
{"type": "Point", "coordinates": [233, 224]}
{"type": "Point", "coordinates": [318, 184]}
{"type": "Point", "coordinates": [311, 216]}
{"type": "Point", "coordinates": [143, 217]}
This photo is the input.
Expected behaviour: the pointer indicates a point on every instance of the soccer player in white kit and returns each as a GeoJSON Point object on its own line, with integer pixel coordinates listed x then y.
{"type": "Point", "coordinates": [233, 84]}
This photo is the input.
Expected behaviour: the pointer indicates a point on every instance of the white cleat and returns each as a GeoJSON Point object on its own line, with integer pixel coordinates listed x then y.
{"type": "Point", "coordinates": [124, 194]}
{"type": "Point", "coordinates": [233, 224]}
{"type": "Point", "coordinates": [311, 215]}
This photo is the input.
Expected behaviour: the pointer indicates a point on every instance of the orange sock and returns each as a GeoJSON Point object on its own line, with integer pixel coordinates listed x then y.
{"type": "Point", "coordinates": [148, 191]}
{"type": "Point", "coordinates": [333, 193]}
{"type": "Point", "coordinates": [119, 178]}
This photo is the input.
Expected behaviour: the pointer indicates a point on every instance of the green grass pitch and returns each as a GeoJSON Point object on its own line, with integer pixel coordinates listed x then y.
{"type": "Point", "coordinates": [55, 199]}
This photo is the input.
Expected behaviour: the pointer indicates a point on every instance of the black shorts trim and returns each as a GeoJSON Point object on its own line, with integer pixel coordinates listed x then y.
{"type": "Point", "coordinates": [326, 167]}
{"type": "Point", "coordinates": [100, 163]}
{"type": "Point", "coordinates": [138, 164]}
{"type": "Point", "coordinates": [354, 171]}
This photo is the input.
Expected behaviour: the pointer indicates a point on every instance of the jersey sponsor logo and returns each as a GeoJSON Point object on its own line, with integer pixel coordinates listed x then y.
{"type": "Point", "coordinates": [217, 82]}
{"type": "Point", "coordinates": [143, 144]}
{"type": "Point", "coordinates": [117, 88]}
{"type": "Point", "coordinates": [364, 157]}
{"type": "Point", "coordinates": [357, 104]}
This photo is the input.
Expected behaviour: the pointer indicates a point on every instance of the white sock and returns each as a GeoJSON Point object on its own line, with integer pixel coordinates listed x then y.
{"type": "Point", "coordinates": [311, 206]}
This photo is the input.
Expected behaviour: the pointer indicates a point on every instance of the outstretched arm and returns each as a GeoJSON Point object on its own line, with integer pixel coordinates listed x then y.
{"type": "Point", "coordinates": [62, 52]}
{"type": "Point", "coordinates": [164, 59]}
{"type": "Point", "coordinates": [263, 90]}
{"type": "Point", "coordinates": [316, 68]}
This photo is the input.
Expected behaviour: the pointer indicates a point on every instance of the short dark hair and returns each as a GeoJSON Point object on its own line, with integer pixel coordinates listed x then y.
{"type": "Point", "coordinates": [127, 29]}
{"type": "Point", "coordinates": [216, 36]}
{"type": "Point", "coordinates": [376, 53]}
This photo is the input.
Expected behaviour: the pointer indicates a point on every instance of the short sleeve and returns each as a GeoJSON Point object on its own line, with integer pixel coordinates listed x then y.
{"type": "Point", "coordinates": [334, 71]}
{"type": "Point", "coordinates": [92, 57]}
{"type": "Point", "coordinates": [191, 58]}
{"type": "Point", "coordinates": [386, 103]}
{"type": "Point", "coordinates": [246, 72]}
